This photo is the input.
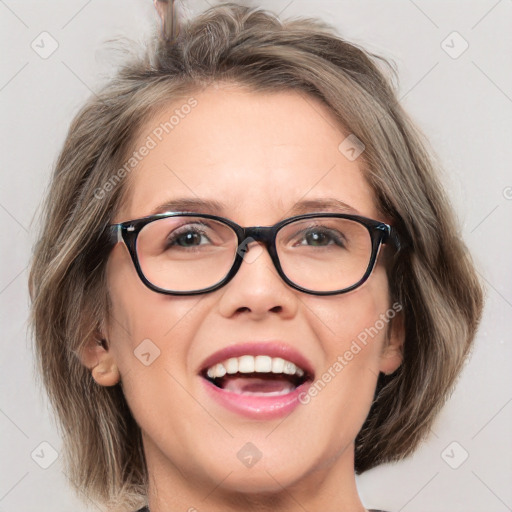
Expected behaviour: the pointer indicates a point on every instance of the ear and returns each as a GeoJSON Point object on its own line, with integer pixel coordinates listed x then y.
{"type": "Point", "coordinates": [392, 353]}
{"type": "Point", "coordinates": [96, 356]}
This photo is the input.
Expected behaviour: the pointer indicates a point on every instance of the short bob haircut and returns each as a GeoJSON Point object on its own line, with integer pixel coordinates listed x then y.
{"type": "Point", "coordinates": [433, 277]}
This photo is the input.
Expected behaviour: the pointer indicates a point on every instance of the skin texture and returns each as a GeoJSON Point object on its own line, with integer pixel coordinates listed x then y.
{"type": "Point", "coordinates": [259, 154]}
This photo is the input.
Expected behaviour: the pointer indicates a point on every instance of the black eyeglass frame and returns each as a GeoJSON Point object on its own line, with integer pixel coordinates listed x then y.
{"type": "Point", "coordinates": [128, 231]}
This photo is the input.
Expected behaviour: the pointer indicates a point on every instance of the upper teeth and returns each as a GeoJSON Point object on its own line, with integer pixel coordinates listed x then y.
{"type": "Point", "coordinates": [250, 364]}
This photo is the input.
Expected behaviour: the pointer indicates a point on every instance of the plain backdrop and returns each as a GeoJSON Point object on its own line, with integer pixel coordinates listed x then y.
{"type": "Point", "coordinates": [454, 65]}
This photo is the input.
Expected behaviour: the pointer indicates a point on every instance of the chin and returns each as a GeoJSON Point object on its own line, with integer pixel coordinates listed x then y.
{"type": "Point", "coordinates": [232, 467]}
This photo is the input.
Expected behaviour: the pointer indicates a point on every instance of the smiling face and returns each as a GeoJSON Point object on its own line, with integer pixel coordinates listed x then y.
{"type": "Point", "coordinates": [259, 156]}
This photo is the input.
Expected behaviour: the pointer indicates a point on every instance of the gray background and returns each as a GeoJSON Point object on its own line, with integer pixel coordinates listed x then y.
{"type": "Point", "coordinates": [463, 105]}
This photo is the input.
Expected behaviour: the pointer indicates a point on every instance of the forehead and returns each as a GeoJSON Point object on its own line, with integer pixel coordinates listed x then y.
{"type": "Point", "coordinates": [255, 153]}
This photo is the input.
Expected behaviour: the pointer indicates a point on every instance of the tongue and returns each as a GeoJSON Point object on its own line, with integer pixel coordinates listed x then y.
{"type": "Point", "coordinates": [257, 385]}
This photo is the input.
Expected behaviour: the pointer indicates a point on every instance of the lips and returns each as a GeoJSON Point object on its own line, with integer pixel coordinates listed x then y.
{"type": "Point", "coordinates": [236, 378]}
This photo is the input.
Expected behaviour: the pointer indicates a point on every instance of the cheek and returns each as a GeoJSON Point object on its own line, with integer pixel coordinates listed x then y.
{"type": "Point", "coordinates": [150, 333]}
{"type": "Point", "coordinates": [148, 330]}
{"type": "Point", "coordinates": [356, 321]}
{"type": "Point", "coordinates": [352, 333]}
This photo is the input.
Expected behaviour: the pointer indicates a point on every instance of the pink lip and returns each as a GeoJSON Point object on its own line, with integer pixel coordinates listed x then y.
{"type": "Point", "coordinates": [269, 348]}
{"type": "Point", "coordinates": [256, 407]}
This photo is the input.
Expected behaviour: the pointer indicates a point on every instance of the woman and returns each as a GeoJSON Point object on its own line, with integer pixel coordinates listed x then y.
{"type": "Point", "coordinates": [249, 285]}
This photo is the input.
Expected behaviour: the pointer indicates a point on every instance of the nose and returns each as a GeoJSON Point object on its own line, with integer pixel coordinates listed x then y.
{"type": "Point", "coordinates": [257, 289]}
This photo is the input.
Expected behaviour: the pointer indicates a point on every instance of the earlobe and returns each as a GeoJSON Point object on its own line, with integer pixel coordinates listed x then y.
{"type": "Point", "coordinates": [96, 356]}
{"type": "Point", "coordinates": [106, 373]}
{"type": "Point", "coordinates": [392, 353]}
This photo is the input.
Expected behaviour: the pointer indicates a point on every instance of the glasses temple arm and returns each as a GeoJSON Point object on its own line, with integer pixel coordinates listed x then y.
{"type": "Point", "coordinates": [114, 234]}
{"type": "Point", "coordinates": [396, 240]}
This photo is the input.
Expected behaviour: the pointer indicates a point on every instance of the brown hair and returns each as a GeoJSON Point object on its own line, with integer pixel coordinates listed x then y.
{"type": "Point", "coordinates": [432, 278]}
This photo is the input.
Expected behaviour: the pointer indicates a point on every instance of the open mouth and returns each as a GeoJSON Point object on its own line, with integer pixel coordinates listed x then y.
{"type": "Point", "coordinates": [261, 381]}
{"type": "Point", "coordinates": [257, 376]}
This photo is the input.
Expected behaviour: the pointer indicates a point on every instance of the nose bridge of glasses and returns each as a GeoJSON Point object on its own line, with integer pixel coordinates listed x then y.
{"type": "Point", "coordinates": [257, 234]}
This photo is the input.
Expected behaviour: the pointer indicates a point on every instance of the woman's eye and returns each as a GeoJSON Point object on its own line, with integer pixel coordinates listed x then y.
{"type": "Point", "coordinates": [187, 238]}
{"type": "Point", "coordinates": [320, 238]}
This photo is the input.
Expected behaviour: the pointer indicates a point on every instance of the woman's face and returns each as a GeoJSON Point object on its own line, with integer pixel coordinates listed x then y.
{"type": "Point", "coordinates": [260, 156]}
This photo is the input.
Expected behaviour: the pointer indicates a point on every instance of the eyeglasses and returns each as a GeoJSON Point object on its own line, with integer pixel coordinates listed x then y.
{"type": "Point", "coordinates": [183, 253]}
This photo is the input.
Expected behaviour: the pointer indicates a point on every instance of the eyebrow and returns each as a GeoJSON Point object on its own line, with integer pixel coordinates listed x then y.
{"type": "Point", "coordinates": [328, 204]}
{"type": "Point", "coordinates": [190, 204]}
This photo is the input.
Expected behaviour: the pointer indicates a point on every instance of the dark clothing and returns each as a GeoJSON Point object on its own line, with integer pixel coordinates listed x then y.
{"type": "Point", "coordinates": [145, 509]}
